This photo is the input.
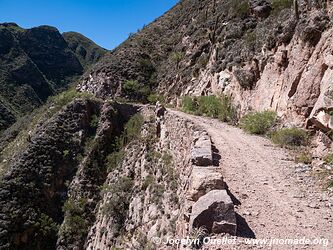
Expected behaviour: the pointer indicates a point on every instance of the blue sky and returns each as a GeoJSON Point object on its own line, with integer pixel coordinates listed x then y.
{"type": "Point", "coordinates": [107, 22]}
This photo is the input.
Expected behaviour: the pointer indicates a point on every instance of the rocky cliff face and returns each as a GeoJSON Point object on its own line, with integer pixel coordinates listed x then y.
{"type": "Point", "coordinates": [70, 187]}
{"type": "Point", "coordinates": [62, 159]}
{"type": "Point", "coordinates": [262, 54]}
{"type": "Point", "coordinates": [34, 64]}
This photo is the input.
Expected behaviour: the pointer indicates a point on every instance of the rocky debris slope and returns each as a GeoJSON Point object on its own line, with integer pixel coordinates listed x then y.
{"type": "Point", "coordinates": [34, 64]}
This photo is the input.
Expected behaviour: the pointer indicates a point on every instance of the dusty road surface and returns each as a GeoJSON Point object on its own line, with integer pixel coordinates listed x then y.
{"type": "Point", "coordinates": [274, 198]}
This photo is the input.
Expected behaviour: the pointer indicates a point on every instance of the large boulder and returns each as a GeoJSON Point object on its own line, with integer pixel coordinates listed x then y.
{"type": "Point", "coordinates": [214, 212]}
{"type": "Point", "coordinates": [204, 180]}
{"type": "Point", "coordinates": [202, 154]}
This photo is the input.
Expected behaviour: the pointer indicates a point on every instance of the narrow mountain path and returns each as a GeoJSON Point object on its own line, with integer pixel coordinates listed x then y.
{"type": "Point", "coordinates": [273, 199]}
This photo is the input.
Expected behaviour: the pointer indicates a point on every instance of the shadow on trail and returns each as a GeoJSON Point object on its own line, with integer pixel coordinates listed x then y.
{"type": "Point", "coordinates": [243, 229]}
{"type": "Point", "coordinates": [216, 156]}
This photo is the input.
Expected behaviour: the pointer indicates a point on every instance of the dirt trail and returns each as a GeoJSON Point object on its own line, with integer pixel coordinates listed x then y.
{"type": "Point", "coordinates": [275, 199]}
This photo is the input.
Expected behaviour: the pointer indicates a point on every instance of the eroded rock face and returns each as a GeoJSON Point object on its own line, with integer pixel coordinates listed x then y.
{"type": "Point", "coordinates": [33, 189]}
{"type": "Point", "coordinates": [215, 212]}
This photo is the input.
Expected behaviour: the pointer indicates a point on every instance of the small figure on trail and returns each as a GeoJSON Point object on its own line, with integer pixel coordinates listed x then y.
{"type": "Point", "coordinates": [29, 136]}
{"type": "Point", "coordinates": [160, 110]}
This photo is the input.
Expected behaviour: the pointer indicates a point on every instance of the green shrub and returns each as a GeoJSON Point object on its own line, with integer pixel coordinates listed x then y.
{"type": "Point", "coordinates": [258, 122]}
{"type": "Point", "coordinates": [65, 153]}
{"type": "Point", "coordinates": [189, 104]}
{"type": "Point", "coordinates": [134, 90]}
{"type": "Point", "coordinates": [328, 159]}
{"type": "Point", "coordinates": [304, 157]}
{"type": "Point", "coordinates": [47, 226]}
{"type": "Point", "coordinates": [211, 106]}
{"type": "Point", "coordinates": [132, 129]}
{"type": "Point", "coordinates": [227, 111]}
{"type": "Point", "coordinates": [290, 137]}
{"type": "Point", "coordinates": [75, 223]}
{"type": "Point", "coordinates": [115, 159]}
{"type": "Point", "coordinates": [177, 57]}
{"type": "Point", "coordinates": [153, 98]}
{"type": "Point", "coordinates": [118, 204]}
{"type": "Point", "coordinates": [240, 8]}
{"type": "Point", "coordinates": [94, 121]}
{"type": "Point", "coordinates": [146, 67]}
{"type": "Point", "coordinates": [279, 5]}
{"type": "Point", "coordinates": [167, 159]}
{"type": "Point", "coordinates": [150, 179]}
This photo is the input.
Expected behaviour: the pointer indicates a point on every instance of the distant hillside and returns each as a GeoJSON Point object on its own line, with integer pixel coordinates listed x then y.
{"type": "Point", "coordinates": [85, 49]}
{"type": "Point", "coordinates": [34, 64]}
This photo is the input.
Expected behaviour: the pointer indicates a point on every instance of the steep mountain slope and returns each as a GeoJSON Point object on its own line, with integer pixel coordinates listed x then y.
{"type": "Point", "coordinates": [237, 48]}
{"type": "Point", "coordinates": [85, 49]}
{"type": "Point", "coordinates": [34, 64]}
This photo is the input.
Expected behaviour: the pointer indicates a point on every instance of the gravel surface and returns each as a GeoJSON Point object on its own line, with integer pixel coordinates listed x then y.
{"type": "Point", "coordinates": [274, 196]}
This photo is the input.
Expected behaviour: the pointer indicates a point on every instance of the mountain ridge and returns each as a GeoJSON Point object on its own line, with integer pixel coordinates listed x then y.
{"type": "Point", "coordinates": [35, 64]}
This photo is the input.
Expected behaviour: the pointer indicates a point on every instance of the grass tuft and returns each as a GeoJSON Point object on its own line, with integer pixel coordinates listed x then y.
{"type": "Point", "coordinates": [290, 137]}
{"type": "Point", "coordinates": [258, 122]}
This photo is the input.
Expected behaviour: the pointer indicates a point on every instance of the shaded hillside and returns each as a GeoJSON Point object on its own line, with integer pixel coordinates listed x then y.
{"type": "Point", "coordinates": [85, 49]}
{"type": "Point", "coordinates": [34, 64]}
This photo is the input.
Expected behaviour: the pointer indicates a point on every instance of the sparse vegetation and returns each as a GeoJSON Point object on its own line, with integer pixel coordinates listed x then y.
{"type": "Point", "coordinates": [211, 106]}
{"type": "Point", "coordinates": [57, 102]}
{"type": "Point", "coordinates": [328, 159]}
{"type": "Point", "coordinates": [153, 98]}
{"type": "Point", "coordinates": [149, 180]}
{"type": "Point", "coordinates": [94, 121]}
{"type": "Point", "coordinates": [290, 137]}
{"type": "Point", "coordinates": [119, 202]}
{"type": "Point", "coordinates": [279, 5]}
{"type": "Point", "coordinates": [114, 160]}
{"type": "Point", "coordinates": [240, 8]}
{"type": "Point", "coordinates": [304, 157]}
{"type": "Point", "coordinates": [177, 57]}
{"type": "Point", "coordinates": [258, 122]}
{"type": "Point", "coordinates": [136, 91]}
{"type": "Point", "coordinates": [75, 223]}
{"type": "Point", "coordinates": [132, 129]}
